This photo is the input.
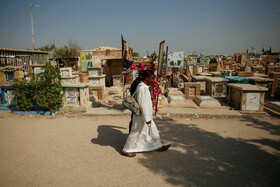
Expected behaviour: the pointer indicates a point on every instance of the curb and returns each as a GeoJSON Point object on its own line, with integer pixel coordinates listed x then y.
{"type": "Point", "coordinates": [42, 113]}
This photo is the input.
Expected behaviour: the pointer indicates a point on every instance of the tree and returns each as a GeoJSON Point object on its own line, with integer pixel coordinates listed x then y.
{"type": "Point", "coordinates": [44, 90]}
{"type": "Point", "coordinates": [70, 50]}
{"type": "Point", "coordinates": [49, 89]}
{"type": "Point", "coordinates": [270, 52]}
{"type": "Point", "coordinates": [263, 50]}
{"type": "Point", "coordinates": [74, 49]}
{"type": "Point", "coordinates": [49, 48]}
{"type": "Point", "coordinates": [134, 54]}
{"type": "Point", "coordinates": [61, 52]}
{"type": "Point", "coordinates": [22, 95]}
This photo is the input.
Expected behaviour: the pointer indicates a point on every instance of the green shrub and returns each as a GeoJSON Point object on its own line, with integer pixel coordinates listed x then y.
{"type": "Point", "coordinates": [49, 92]}
{"type": "Point", "coordinates": [43, 89]}
{"type": "Point", "coordinates": [22, 95]}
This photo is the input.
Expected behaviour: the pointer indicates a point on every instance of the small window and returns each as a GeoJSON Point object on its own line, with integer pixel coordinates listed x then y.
{"type": "Point", "coordinates": [10, 76]}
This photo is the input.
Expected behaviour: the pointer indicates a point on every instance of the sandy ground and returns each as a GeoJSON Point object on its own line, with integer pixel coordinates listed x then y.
{"type": "Point", "coordinates": [74, 150]}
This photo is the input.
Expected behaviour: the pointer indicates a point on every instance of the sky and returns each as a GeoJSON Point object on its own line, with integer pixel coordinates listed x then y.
{"type": "Point", "coordinates": [193, 26]}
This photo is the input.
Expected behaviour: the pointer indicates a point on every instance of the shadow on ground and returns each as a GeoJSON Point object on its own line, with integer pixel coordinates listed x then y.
{"type": "Point", "coordinates": [258, 123]}
{"type": "Point", "coordinates": [109, 135]}
{"type": "Point", "coordinates": [200, 158]}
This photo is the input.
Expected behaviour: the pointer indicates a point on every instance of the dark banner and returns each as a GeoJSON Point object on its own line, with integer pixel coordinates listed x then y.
{"type": "Point", "coordinates": [126, 54]}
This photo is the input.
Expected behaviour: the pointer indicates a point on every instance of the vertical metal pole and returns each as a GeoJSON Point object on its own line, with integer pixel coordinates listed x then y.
{"type": "Point", "coordinates": [32, 27]}
{"type": "Point", "coordinates": [3, 95]}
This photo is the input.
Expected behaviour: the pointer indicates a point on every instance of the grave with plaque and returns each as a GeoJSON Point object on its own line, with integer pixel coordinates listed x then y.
{"type": "Point", "coordinates": [246, 97]}
{"type": "Point", "coordinates": [67, 77]}
{"type": "Point", "coordinates": [96, 79]}
{"type": "Point", "coordinates": [76, 94]}
{"type": "Point", "coordinates": [192, 89]}
{"type": "Point", "coordinates": [216, 86]}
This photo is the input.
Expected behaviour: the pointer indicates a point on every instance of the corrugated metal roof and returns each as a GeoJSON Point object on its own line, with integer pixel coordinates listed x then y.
{"type": "Point", "coordinates": [24, 51]}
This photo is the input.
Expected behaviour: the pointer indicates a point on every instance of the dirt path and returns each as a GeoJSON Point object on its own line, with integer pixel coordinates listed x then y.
{"type": "Point", "coordinates": [73, 150]}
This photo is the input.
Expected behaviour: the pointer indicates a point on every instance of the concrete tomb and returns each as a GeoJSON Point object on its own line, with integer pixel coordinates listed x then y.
{"type": "Point", "coordinates": [246, 97]}
{"type": "Point", "coordinates": [76, 95]}
{"type": "Point", "coordinates": [67, 77]}
{"type": "Point", "coordinates": [202, 81]}
{"type": "Point", "coordinates": [260, 81]}
{"type": "Point", "coordinates": [216, 86]}
{"type": "Point", "coordinates": [192, 89]}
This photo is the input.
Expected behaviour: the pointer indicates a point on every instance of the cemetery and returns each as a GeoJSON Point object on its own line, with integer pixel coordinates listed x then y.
{"type": "Point", "coordinates": [243, 83]}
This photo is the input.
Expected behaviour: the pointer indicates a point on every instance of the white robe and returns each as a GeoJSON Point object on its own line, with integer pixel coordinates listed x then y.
{"type": "Point", "coordinates": [143, 137]}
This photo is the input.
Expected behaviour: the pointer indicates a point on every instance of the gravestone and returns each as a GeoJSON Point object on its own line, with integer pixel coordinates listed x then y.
{"type": "Point", "coordinates": [10, 97]}
{"type": "Point", "coordinates": [71, 96]}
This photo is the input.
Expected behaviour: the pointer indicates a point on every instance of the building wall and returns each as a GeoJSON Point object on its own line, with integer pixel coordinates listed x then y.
{"type": "Point", "coordinates": [97, 55]}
